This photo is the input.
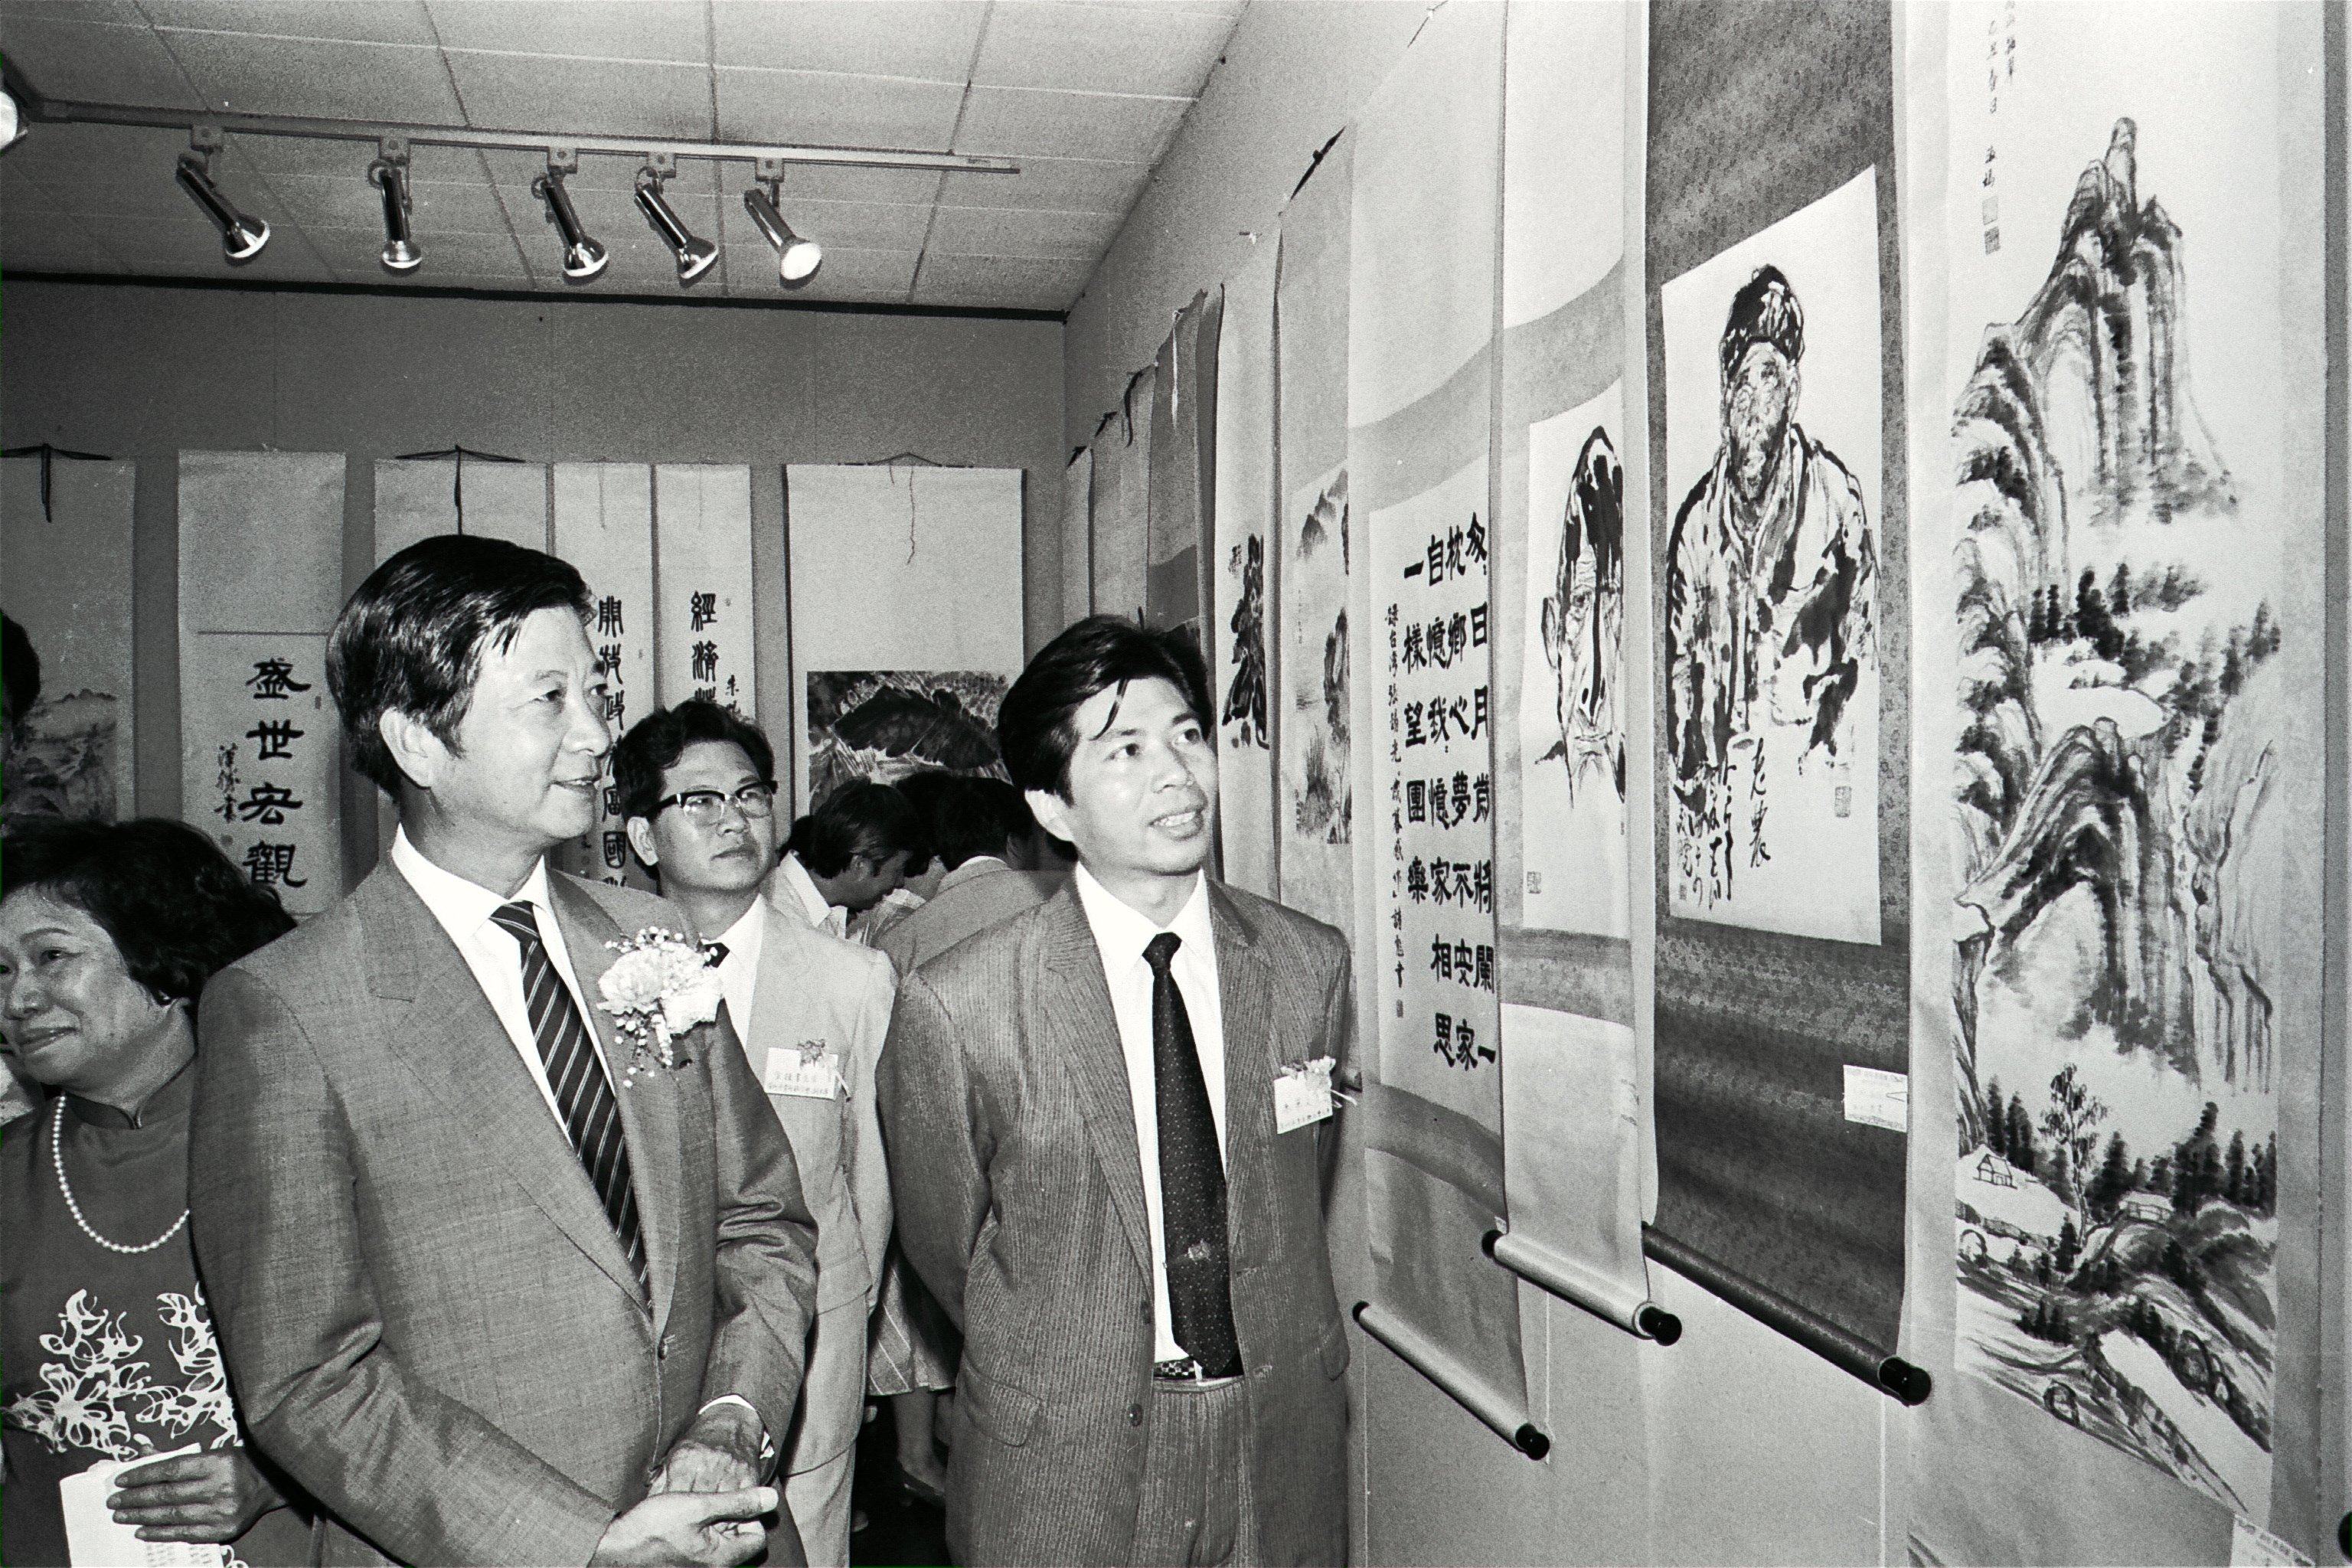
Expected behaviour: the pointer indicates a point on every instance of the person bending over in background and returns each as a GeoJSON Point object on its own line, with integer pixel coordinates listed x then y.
{"type": "Point", "coordinates": [844, 857]}
{"type": "Point", "coordinates": [1079, 1110]}
{"type": "Point", "coordinates": [697, 790]}
{"type": "Point", "coordinates": [985, 843]}
{"type": "Point", "coordinates": [921, 790]}
{"type": "Point", "coordinates": [107, 932]}
{"type": "Point", "coordinates": [496, 1282]}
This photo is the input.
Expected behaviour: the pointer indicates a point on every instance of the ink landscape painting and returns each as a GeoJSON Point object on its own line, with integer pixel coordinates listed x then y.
{"type": "Point", "coordinates": [2128, 804]}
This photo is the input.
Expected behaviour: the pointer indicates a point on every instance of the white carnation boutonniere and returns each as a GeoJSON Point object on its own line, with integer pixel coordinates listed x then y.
{"type": "Point", "coordinates": [662, 986]}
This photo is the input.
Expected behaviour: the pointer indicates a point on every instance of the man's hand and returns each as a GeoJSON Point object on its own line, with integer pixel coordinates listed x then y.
{"type": "Point", "coordinates": [720, 1453]}
{"type": "Point", "coordinates": [210, 1498]}
{"type": "Point", "coordinates": [710, 1530]}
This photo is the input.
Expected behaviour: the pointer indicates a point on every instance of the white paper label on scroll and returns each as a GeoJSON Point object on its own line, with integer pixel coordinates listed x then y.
{"type": "Point", "coordinates": [604, 525]}
{"type": "Point", "coordinates": [96, 1539]}
{"type": "Point", "coordinates": [702, 555]}
{"type": "Point", "coordinates": [2252, 1546]}
{"type": "Point", "coordinates": [67, 574]}
{"type": "Point", "coordinates": [1878, 1098]}
{"type": "Point", "coordinates": [260, 743]}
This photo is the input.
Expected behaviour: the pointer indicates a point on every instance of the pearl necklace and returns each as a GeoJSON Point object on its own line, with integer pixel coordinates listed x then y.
{"type": "Point", "coordinates": [58, 1159]}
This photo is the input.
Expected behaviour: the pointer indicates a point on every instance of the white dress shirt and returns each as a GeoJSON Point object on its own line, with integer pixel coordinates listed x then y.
{"type": "Point", "coordinates": [795, 879]}
{"type": "Point", "coordinates": [464, 909]}
{"type": "Point", "coordinates": [738, 972]}
{"type": "Point", "coordinates": [1121, 934]}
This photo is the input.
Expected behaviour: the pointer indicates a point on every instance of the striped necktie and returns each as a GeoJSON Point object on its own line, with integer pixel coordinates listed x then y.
{"type": "Point", "coordinates": [591, 1116]}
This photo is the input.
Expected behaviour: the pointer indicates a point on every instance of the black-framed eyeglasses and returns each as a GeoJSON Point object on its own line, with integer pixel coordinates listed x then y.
{"type": "Point", "coordinates": [704, 807]}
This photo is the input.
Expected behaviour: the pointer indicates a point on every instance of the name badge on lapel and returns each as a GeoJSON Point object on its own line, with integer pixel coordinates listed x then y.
{"type": "Point", "coordinates": [1302, 1094]}
{"type": "Point", "coordinates": [805, 1071]}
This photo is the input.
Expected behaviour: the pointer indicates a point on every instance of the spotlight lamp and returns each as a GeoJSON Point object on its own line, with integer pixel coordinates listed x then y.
{"type": "Point", "coordinates": [797, 259]}
{"type": "Point", "coordinates": [583, 257]}
{"type": "Point", "coordinates": [12, 120]}
{"type": "Point", "coordinates": [242, 237]}
{"type": "Point", "coordinates": [696, 256]}
{"type": "Point", "coordinates": [401, 252]}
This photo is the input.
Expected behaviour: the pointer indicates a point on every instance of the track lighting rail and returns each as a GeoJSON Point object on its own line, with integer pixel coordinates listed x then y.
{"type": "Point", "coordinates": [55, 111]}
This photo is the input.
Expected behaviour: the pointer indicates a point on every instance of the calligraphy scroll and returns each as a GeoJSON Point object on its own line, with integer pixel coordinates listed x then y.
{"type": "Point", "coordinates": [2124, 644]}
{"type": "Point", "coordinates": [603, 527]}
{"type": "Point", "coordinates": [1240, 620]}
{"type": "Point", "coordinates": [66, 566]}
{"type": "Point", "coordinates": [415, 497]}
{"type": "Point", "coordinates": [260, 744]}
{"type": "Point", "coordinates": [702, 574]}
{"type": "Point", "coordinates": [1422, 251]}
{"type": "Point", "coordinates": [1184, 453]}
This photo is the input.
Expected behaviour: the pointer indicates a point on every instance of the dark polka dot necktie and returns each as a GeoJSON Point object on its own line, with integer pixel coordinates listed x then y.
{"type": "Point", "coordinates": [1192, 1179]}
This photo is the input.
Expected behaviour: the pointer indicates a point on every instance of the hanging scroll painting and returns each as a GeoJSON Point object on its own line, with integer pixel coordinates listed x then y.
{"type": "Point", "coordinates": [2135, 985]}
{"type": "Point", "coordinates": [884, 725]}
{"type": "Point", "coordinates": [1773, 466]}
{"type": "Point", "coordinates": [1571, 690]}
{"type": "Point", "coordinates": [67, 568]}
{"type": "Point", "coordinates": [1317, 804]}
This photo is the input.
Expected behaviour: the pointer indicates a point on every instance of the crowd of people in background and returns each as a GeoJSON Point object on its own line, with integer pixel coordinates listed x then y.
{"type": "Point", "coordinates": [496, 1216]}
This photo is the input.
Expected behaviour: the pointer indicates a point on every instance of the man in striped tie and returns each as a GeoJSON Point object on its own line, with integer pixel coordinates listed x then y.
{"type": "Point", "coordinates": [493, 1285]}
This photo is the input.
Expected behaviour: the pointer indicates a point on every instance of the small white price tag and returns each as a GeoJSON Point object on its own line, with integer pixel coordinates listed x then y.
{"type": "Point", "coordinates": [1878, 1098]}
{"type": "Point", "coordinates": [804, 1074]}
{"type": "Point", "coordinates": [2252, 1546]}
{"type": "Point", "coordinates": [1302, 1095]}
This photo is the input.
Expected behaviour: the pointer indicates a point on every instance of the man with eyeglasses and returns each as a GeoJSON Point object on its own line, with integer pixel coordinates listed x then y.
{"type": "Point", "coordinates": [697, 792]}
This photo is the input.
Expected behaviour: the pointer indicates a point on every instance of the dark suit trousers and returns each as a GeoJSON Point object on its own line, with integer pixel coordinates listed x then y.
{"type": "Point", "coordinates": [1196, 1507]}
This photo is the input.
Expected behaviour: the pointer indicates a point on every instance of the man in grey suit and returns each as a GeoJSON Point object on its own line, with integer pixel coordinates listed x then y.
{"type": "Point", "coordinates": [493, 1283]}
{"type": "Point", "coordinates": [1092, 1171]}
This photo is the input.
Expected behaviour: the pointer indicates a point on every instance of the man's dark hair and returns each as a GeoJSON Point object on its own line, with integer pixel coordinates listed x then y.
{"type": "Point", "coordinates": [178, 910]}
{"type": "Point", "coordinates": [1034, 728]}
{"type": "Point", "coordinates": [20, 670]}
{"type": "Point", "coordinates": [1765, 310]}
{"type": "Point", "coordinates": [653, 744]}
{"type": "Point", "coordinates": [859, 818]}
{"type": "Point", "coordinates": [930, 792]}
{"type": "Point", "coordinates": [412, 638]}
{"type": "Point", "coordinates": [968, 816]}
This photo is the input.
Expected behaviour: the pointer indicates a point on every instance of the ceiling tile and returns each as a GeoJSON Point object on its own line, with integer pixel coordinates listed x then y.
{"type": "Point", "coordinates": [159, 198]}
{"type": "Point", "coordinates": [1021, 121]}
{"type": "Point", "coordinates": [358, 21]}
{"type": "Point", "coordinates": [856, 226]}
{"type": "Point", "coordinates": [695, 176]}
{"type": "Point", "coordinates": [64, 253]}
{"type": "Point", "coordinates": [928, 39]}
{"type": "Point", "coordinates": [843, 183]}
{"type": "Point", "coordinates": [580, 98]}
{"type": "Point", "coordinates": [1005, 231]}
{"type": "Point", "coordinates": [194, 249]}
{"type": "Point", "coordinates": [80, 62]}
{"type": "Point", "coordinates": [1099, 49]}
{"type": "Point", "coordinates": [352, 201]}
{"type": "Point", "coordinates": [270, 156]}
{"type": "Point", "coordinates": [331, 81]}
{"type": "Point", "coordinates": [355, 255]}
{"type": "Point", "coordinates": [597, 29]}
{"type": "Point", "coordinates": [64, 154]}
{"type": "Point", "coordinates": [119, 13]}
{"type": "Point", "coordinates": [831, 111]}
{"type": "Point", "coordinates": [1057, 185]}
{"type": "Point", "coordinates": [1003, 281]}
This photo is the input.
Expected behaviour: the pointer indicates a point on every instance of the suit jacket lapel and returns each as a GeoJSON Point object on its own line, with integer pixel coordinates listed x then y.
{"type": "Point", "coordinates": [444, 1027]}
{"type": "Point", "coordinates": [648, 1106]}
{"type": "Point", "coordinates": [1245, 990]}
{"type": "Point", "coordinates": [1078, 1023]}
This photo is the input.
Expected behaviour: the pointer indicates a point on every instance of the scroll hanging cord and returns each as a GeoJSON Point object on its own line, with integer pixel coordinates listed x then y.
{"type": "Point", "coordinates": [48, 455]}
{"type": "Point", "coordinates": [457, 479]}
